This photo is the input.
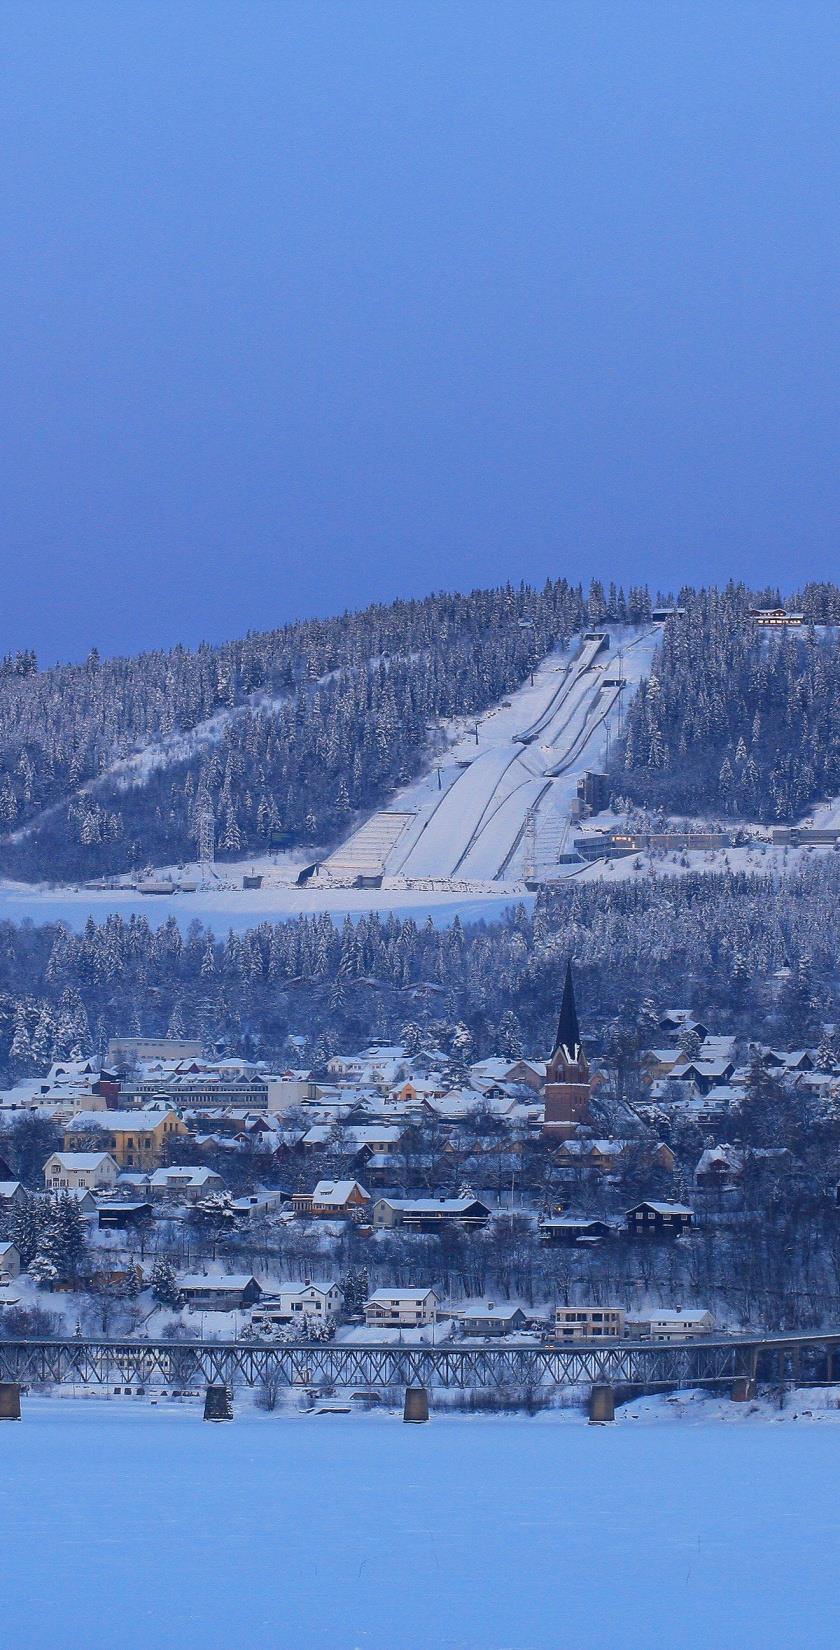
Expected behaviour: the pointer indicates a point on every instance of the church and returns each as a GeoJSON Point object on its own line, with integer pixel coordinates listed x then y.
{"type": "Point", "coordinates": [568, 1087]}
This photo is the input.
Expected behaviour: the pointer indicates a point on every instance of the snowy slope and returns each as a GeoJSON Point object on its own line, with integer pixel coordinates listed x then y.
{"type": "Point", "coordinates": [517, 767]}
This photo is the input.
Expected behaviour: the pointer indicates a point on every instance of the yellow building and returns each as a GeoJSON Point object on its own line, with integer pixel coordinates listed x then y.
{"type": "Point", "coordinates": [137, 1139]}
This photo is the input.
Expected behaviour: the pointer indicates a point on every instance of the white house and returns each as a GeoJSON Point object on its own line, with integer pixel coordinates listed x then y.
{"type": "Point", "coordinates": [401, 1308]}
{"type": "Point", "coordinates": [660, 1325]}
{"type": "Point", "coordinates": [190, 1181]}
{"type": "Point", "coordinates": [486, 1318]}
{"type": "Point", "coordinates": [12, 1195]}
{"type": "Point", "coordinates": [296, 1301]}
{"type": "Point", "coordinates": [90, 1171]}
{"type": "Point", "coordinates": [9, 1261]}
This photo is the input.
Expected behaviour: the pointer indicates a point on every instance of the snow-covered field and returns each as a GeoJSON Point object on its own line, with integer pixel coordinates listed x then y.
{"type": "Point", "coordinates": [131, 1527]}
{"type": "Point", "coordinates": [224, 908]}
{"type": "Point", "coordinates": [240, 909]}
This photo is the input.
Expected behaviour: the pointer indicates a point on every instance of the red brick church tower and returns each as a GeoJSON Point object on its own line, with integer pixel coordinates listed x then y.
{"type": "Point", "coordinates": [568, 1090]}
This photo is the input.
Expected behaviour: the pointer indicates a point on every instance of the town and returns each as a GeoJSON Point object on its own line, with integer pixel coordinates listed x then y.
{"type": "Point", "coordinates": [398, 1194]}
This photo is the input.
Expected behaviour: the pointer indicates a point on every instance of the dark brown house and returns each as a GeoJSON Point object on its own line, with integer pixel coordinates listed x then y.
{"type": "Point", "coordinates": [565, 1229]}
{"type": "Point", "coordinates": [659, 1220]}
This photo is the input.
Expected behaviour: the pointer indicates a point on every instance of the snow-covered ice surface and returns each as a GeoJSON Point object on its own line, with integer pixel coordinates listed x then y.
{"type": "Point", "coordinates": [133, 1528]}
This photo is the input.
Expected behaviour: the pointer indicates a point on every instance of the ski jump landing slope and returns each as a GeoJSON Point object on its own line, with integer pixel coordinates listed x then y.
{"type": "Point", "coordinates": [513, 772]}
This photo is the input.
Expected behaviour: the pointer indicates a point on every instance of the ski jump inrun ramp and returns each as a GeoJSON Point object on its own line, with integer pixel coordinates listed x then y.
{"type": "Point", "coordinates": [468, 821]}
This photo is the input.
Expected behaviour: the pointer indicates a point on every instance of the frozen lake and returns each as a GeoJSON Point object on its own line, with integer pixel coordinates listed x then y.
{"type": "Point", "coordinates": [132, 1528]}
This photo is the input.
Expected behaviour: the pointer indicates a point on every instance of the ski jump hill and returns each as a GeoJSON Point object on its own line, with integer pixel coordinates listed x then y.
{"type": "Point", "coordinates": [497, 807]}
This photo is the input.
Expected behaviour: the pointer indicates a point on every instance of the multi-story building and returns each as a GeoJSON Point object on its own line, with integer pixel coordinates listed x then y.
{"type": "Point", "coordinates": [401, 1308]}
{"type": "Point", "coordinates": [588, 1323]}
{"type": "Point", "coordinates": [294, 1302]}
{"type": "Point", "coordinates": [90, 1171]}
{"type": "Point", "coordinates": [137, 1139]}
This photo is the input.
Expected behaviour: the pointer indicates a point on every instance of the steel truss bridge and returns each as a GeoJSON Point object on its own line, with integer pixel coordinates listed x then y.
{"type": "Point", "coordinates": [178, 1365]}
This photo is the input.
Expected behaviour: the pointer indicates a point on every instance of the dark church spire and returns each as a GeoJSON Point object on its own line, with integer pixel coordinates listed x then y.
{"type": "Point", "coordinates": [567, 1042]}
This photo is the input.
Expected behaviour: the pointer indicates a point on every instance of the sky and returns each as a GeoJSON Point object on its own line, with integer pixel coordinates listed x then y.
{"type": "Point", "coordinates": [306, 305]}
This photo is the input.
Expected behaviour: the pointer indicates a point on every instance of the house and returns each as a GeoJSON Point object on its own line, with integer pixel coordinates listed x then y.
{"type": "Point", "coordinates": [12, 1195]}
{"type": "Point", "coordinates": [601, 1155]}
{"type": "Point", "coordinates": [114, 1276]}
{"type": "Point", "coordinates": [401, 1308]}
{"type": "Point", "coordinates": [704, 1074]}
{"type": "Point", "coordinates": [86, 1202]}
{"type": "Point", "coordinates": [709, 1109]}
{"type": "Point", "coordinates": [718, 1047]}
{"type": "Point", "coordinates": [657, 1062]}
{"type": "Point", "coordinates": [130, 1051]}
{"type": "Point", "coordinates": [775, 618]}
{"type": "Point", "coordinates": [352, 1138]}
{"type": "Point", "coordinates": [659, 1325]}
{"type": "Point", "coordinates": [123, 1216]}
{"type": "Point", "coordinates": [611, 1156]}
{"type": "Point", "coordinates": [588, 1323]}
{"type": "Point", "coordinates": [189, 1181]}
{"type": "Point", "coordinates": [331, 1199]}
{"type": "Point", "coordinates": [297, 1301]}
{"type": "Point", "coordinates": [415, 1089]}
{"type": "Point", "coordinates": [785, 1060]}
{"type": "Point", "coordinates": [137, 1139]}
{"type": "Point", "coordinates": [88, 1171]}
{"type": "Point", "coordinates": [9, 1261]}
{"type": "Point", "coordinates": [675, 1020]}
{"type": "Point", "coordinates": [658, 1220]}
{"type": "Point", "coordinates": [521, 1071]}
{"type": "Point", "coordinates": [566, 1229]}
{"type": "Point", "coordinates": [382, 1168]}
{"type": "Point", "coordinates": [254, 1204]}
{"type": "Point", "coordinates": [487, 1319]}
{"type": "Point", "coordinates": [219, 1294]}
{"type": "Point", "coordinates": [425, 1214]}
{"type": "Point", "coordinates": [719, 1166]}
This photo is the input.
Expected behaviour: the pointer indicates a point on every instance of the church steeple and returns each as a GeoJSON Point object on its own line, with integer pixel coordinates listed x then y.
{"type": "Point", "coordinates": [567, 1043]}
{"type": "Point", "coordinates": [568, 1090]}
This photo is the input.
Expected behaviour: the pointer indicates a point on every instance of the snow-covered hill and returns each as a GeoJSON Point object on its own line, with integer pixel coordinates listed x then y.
{"type": "Point", "coordinates": [496, 808]}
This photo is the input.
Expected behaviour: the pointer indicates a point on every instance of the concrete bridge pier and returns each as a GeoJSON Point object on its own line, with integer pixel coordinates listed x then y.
{"type": "Point", "coordinates": [9, 1401]}
{"type": "Point", "coordinates": [218, 1404]}
{"type": "Point", "coordinates": [601, 1404]}
{"type": "Point", "coordinates": [743, 1389]}
{"type": "Point", "coordinates": [416, 1406]}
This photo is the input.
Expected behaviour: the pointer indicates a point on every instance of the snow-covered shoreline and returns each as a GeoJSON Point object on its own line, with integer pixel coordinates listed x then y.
{"type": "Point", "coordinates": [690, 1406]}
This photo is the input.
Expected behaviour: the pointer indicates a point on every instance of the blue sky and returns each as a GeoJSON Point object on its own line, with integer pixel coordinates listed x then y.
{"type": "Point", "coordinates": [311, 304]}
